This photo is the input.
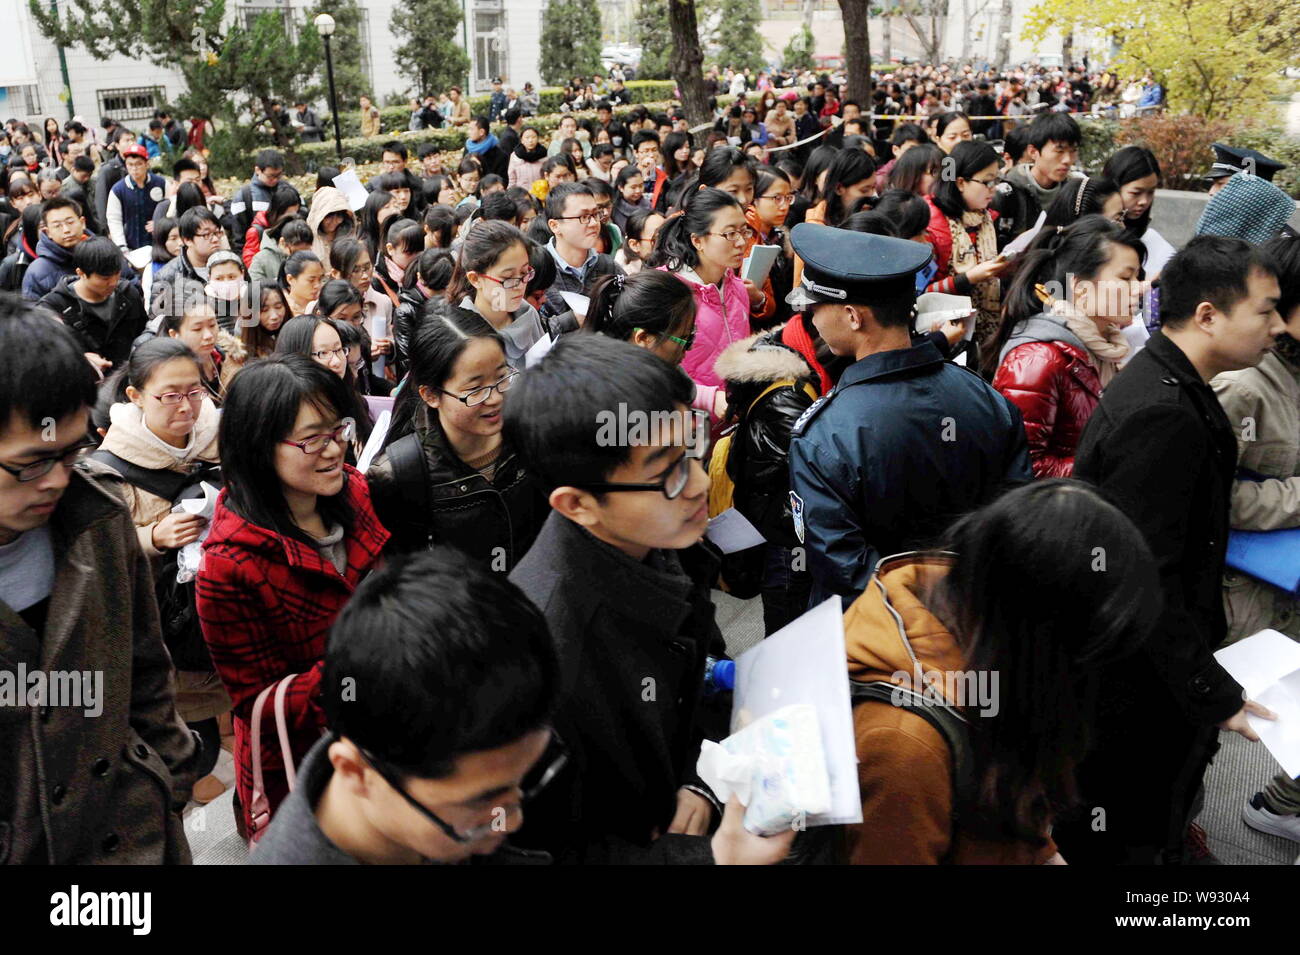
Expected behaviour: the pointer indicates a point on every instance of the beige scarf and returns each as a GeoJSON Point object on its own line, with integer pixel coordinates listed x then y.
{"type": "Point", "coordinates": [1107, 351]}
{"type": "Point", "coordinates": [986, 296]}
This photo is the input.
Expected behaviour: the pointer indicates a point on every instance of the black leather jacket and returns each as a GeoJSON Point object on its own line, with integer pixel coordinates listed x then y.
{"type": "Point", "coordinates": [494, 522]}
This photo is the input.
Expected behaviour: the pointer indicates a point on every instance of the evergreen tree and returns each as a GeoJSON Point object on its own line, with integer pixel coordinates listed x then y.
{"type": "Point", "coordinates": [571, 38]}
{"type": "Point", "coordinates": [654, 36]}
{"type": "Point", "coordinates": [429, 55]}
{"type": "Point", "coordinates": [798, 53]}
{"type": "Point", "coordinates": [352, 68]}
{"type": "Point", "coordinates": [735, 33]}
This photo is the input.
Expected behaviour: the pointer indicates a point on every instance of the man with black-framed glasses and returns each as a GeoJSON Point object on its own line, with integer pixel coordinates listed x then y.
{"type": "Point", "coordinates": [573, 216]}
{"type": "Point", "coordinates": [95, 764]}
{"type": "Point", "coordinates": [620, 574]}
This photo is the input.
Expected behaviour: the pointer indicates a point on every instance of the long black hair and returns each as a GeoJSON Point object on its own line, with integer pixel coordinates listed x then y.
{"type": "Point", "coordinates": [1079, 197]}
{"type": "Point", "coordinates": [850, 166]}
{"type": "Point", "coordinates": [965, 161]}
{"type": "Point", "coordinates": [370, 227]}
{"type": "Point", "coordinates": [911, 168]}
{"type": "Point", "coordinates": [1127, 165]}
{"type": "Point", "coordinates": [1026, 600]}
{"type": "Point", "coordinates": [296, 337]}
{"type": "Point", "coordinates": [655, 302]}
{"type": "Point", "coordinates": [1052, 259]}
{"type": "Point", "coordinates": [673, 247]}
{"type": "Point", "coordinates": [909, 213]}
{"type": "Point", "coordinates": [259, 411]}
{"type": "Point", "coordinates": [480, 248]}
{"type": "Point", "coordinates": [144, 361]}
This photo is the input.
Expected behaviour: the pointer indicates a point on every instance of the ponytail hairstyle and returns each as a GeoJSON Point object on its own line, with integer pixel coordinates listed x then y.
{"type": "Point", "coordinates": [291, 231]}
{"type": "Point", "coordinates": [444, 334]}
{"type": "Point", "coordinates": [434, 268]}
{"type": "Point", "coordinates": [335, 294]}
{"type": "Point", "coordinates": [673, 248]}
{"type": "Point", "coordinates": [851, 166]}
{"type": "Point", "coordinates": [144, 361]}
{"type": "Point", "coordinates": [440, 223]}
{"type": "Point", "coordinates": [1127, 165]}
{"type": "Point", "coordinates": [406, 235]}
{"type": "Point", "coordinates": [651, 301]}
{"type": "Point", "coordinates": [295, 264]}
{"type": "Point", "coordinates": [765, 177]}
{"type": "Point", "coordinates": [559, 159]}
{"type": "Point", "coordinates": [964, 162]}
{"type": "Point", "coordinates": [636, 229]}
{"type": "Point", "coordinates": [481, 247]}
{"type": "Point", "coordinates": [1078, 198]}
{"type": "Point", "coordinates": [911, 168]}
{"type": "Point", "coordinates": [1054, 257]}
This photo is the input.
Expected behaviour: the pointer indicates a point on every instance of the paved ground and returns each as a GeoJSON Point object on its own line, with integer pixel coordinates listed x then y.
{"type": "Point", "coordinates": [1241, 768]}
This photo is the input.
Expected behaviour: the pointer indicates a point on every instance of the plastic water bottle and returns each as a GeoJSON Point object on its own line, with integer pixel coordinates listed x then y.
{"type": "Point", "coordinates": [719, 675]}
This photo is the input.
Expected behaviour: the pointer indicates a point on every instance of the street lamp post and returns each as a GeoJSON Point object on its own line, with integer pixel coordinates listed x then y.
{"type": "Point", "coordinates": [325, 27]}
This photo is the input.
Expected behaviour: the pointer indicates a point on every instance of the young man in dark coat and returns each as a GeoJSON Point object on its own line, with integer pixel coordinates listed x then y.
{"type": "Point", "coordinates": [620, 575]}
{"type": "Point", "coordinates": [1160, 446]}
{"type": "Point", "coordinates": [907, 441]}
{"type": "Point", "coordinates": [95, 764]}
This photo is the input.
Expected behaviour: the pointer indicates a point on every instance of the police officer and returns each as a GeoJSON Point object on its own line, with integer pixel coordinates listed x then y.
{"type": "Point", "coordinates": [1230, 160]}
{"type": "Point", "coordinates": [906, 441]}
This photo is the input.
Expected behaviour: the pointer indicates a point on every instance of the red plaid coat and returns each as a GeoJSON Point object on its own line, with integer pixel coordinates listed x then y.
{"type": "Point", "coordinates": [266, 604]}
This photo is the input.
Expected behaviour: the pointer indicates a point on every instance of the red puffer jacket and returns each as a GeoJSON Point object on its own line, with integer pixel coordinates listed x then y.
{"type": "Point", "coordinates": [1056, 389]}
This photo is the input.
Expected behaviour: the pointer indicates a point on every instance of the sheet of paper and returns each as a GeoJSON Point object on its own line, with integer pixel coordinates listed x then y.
{"type": "Point", "coordinates": [1021, 242]}
{"type": "Point", "coordinates": [538, 350]}
{"type": "Point", "coordinates": [732, 531]}
{"type": "Point", "coordinates": [759, 263]}
{"type": "Point", "coordinates": [804, 662]}
{"type": "Point", "coordinates": [348, 184]}
{"type": "Point", "coordinates": [190, 556]}
{"type": "Point", "coordinates": [579, 303]}
{"type": "Point", "coordinates": [378, 405]}
{"type": "Point", "coordinates": [1267, 665]}
{"type": "Point", "coordinates": [376, 441]}
{"type": "Point", "coordinates": [1159, 252]}
{"type": "Point", "coordinates": [937, 307]}
{"type": "Point", "coordinates": [378, 329]}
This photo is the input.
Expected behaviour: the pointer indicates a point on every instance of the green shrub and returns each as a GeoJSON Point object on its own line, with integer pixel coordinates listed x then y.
{"type": "Point", "coordinates": [364, 150]}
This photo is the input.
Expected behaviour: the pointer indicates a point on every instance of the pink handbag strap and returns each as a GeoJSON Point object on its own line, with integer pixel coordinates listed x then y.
{"type": "Point", "coordinates": [282, 728]}
{"type": "Point", "coordinates": [281, 725]}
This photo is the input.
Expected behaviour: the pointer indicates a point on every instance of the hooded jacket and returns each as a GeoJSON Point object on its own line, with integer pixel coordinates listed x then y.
{"type": "Point", "coordinates": [131, 440]}
{"type": "Point", "coordinates": [266, 264]}
{"type": "Point", "coordinates": [266, 603]}
{"type": "Point", "coordinates": [324, 201]}
{"type": "Point", "coordinates": [481, 517]}
{"type": "Point", "coordinates": [111, 341]}
{"type": "Point", "coordinates": [904, 764]}
{"type": "Point", "coordinates": [758, 461]}
{"type": "Point", "coordinates": [1044, 369]}
{"type": "Point", "coordinates": [52, 262]}
{"type": "Point", "coordinates": [721, 317]}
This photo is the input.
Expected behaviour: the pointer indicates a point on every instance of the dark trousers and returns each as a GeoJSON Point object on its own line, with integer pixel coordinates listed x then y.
{"type": "Point", "coordinates": [785, 590]}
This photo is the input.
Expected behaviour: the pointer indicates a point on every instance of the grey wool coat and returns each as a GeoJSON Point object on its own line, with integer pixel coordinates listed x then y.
{"type": "Point", "coordinates": [78, 787]}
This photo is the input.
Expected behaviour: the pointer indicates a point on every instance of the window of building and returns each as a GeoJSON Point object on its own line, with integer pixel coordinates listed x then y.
{"type": "Point", "coordinates": [20, 100]}
{"type": "Point", "coordinates": [136, 102]}
{"type": "Point", "coordinates": [490, 50]}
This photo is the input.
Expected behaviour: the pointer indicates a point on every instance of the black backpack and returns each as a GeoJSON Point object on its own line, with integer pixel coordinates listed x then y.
{"type": "Point", "coordinates": [824, 845]}
{"type": "Point", "coordinates": [176, 611]}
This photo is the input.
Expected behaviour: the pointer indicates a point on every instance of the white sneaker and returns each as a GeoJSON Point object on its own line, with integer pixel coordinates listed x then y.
{"type": "Point", "coordinates": [1261, 820]}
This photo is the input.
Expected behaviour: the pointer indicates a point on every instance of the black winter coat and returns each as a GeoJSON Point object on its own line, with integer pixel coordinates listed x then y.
{"type": "Point", "coordinates": [632, 637]}
{"type": "Point", "coordinates": [494, 522]}
{"type": "Point", "coordinates": [112, 341]}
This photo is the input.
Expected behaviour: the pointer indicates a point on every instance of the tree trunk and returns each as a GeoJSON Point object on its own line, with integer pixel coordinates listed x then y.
{"type": "Point", "coordinates": [1004, 35]}
{"type": "Point", "coordinates": [857, 51]}
{"type": "Point", "coordinates": [966, 37]}
{"type": "Point", "coordinates": [887, 35]}
{"type": "Point", "coordinates": [688, 61]}
{"type": "Point", "coordinates": [807, 14]}
{"type": "Point", "coordinates": [1067, 48]}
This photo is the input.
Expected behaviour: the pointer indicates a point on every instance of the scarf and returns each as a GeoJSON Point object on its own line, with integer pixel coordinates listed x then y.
{"type": "Point", "coordinates": [536, 154]}
{"type": "Point", "coordinates": [966, 254]}
{"type": "Point", "coordinates": [483, 145]}
{"type": "Point", "coordinates": [1107, 350]}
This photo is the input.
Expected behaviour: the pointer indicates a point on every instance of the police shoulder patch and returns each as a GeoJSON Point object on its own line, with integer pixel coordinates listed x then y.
{"type": "Point", "coordinates": [813, 410]}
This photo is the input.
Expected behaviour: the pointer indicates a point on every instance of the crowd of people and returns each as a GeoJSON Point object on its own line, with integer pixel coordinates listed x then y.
{"type": "Point", "coordinates": [432, 590]}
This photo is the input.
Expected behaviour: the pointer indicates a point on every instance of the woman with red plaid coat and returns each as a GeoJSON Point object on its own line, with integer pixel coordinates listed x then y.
{"type": "Point", "coordinates": [293, 535]}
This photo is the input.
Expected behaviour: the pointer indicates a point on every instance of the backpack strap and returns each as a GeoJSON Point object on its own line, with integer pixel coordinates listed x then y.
{"type": "Point", "coordinates": [161, 482]}
{"type": "Point", "coordinates": [945, 719]}
{"type": "Point", "coordinates": [410, 470]}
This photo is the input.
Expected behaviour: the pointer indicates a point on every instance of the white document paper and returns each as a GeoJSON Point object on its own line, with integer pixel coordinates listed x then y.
{"type": "Point", "coordinates": [378, 330]}
{"type": "Point", "coordinates": [187, 561]}
{"type": "Point", "coordinates": [732, 531]}
{"type": "Point", "coordinates": [579, 303]}
{"type": "Point", "coordinates": [1267, 665]}
{"type": "Point", "coordinates": [538, 350]}
{"type": "Point", "coordinates": [376, 441]}
{"type": "Point", "coordinates": [759, 263]}
{"type": "Point", "coordinates": [348, 184]}
{"type": "Point", "coordinates": [935, 308]}
{"type": "Point", "coordinates": [805, 662]}
{"type": "Point", "coordinates": [1021, 242]}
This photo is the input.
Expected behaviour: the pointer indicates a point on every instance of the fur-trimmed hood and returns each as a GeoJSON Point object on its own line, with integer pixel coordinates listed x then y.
{"type": "Point", "coordinates": [760, 360]}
